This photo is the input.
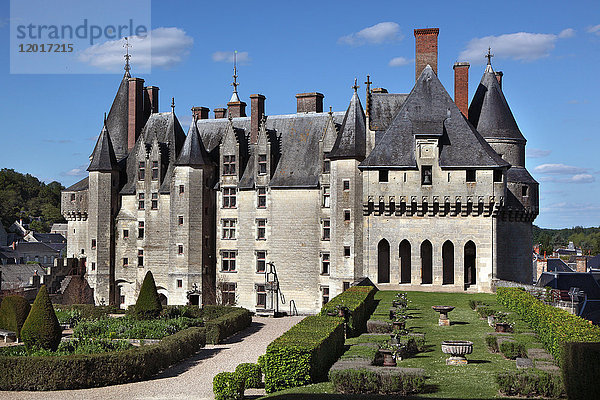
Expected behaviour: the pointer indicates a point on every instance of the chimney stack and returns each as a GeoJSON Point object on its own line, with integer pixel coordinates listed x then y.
{"type": "Point", "coordinates": [499, 75]}
{"type": "Point", "coordinates": [461, 87]}
{"type": "Point", "coordinates": [257, 111]}
{"type": "Point", "coordinates": [135, 118]}
{"type": "Point", "coordinates": [200, 112]}
{"type": "Point", "coordinates": [151, 93]}
{"type": "Point", "coordinates": [426, 49]}
{"type": "Point", "coordinates": [236, 109]}
{"type": "Point", "coordinates": [309, 102]}
{"type": "Point", "coordinates": [220, 113]}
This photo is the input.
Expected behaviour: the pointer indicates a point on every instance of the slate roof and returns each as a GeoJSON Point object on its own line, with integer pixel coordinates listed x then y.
{"type": "Point", "coordinates": [49, 237]}
{"type": "Point", "coordinates": [557, 265]}
{"type": "Point", "coordinates": [35, 247]}
{"type": "Point", "coordinates": [79, 186]}
{"type": "Point", "coordinates": [383, 107]}
{"type": "Point", "coordinates": [519, 175]}
{"type": "Point", "coordinates": [17, 275]}
{"type": "Point", "coordinates": [594, 262]}
{"type": "Point", "coordinates": [429, 110]}
{"type": "Point", "coordinates": [489, 111]}
{"type": "Point", "coordinates": [117, 120]}
{"type": "Point", "coordinates": [566, 280]}
{"type": "Point", "coordinates": [193, 152]}
{"type": "Point", "coordinates": [103, 157]}
{"type": "Point", "coordinates": [352, 139]}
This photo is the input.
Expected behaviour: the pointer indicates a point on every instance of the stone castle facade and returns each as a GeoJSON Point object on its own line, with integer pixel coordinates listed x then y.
{"type": "Point", "coordinates": [415, 191]}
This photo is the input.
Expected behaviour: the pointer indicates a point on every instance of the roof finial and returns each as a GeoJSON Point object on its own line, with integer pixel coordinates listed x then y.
{"type": "Point", "coordinates": [235, 84]}
{"type": "Point", "coordinates": [368, 83]}
{"type": "Point", "coordinates": [173, 105]}
{"type": "Point", "coordinates": [330, 111]}
{"type": "Point", "coordinates": [489, 56]}
{"type": "Point", "coordinates": [105, 118]}
{"type": "Point", "coordinates": [355, 87]}
{"type": "Point", "coordinates": [127, 55]}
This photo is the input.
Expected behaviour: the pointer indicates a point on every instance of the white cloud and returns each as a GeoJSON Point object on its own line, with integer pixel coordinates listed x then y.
{"type": "Point", "coordinates": [399, 62]}
{"type": "Point", "coordinates": [594, 29]}
{"type": "Point", "coordinates": [519, 46]}
{"type": "Point", "coordinates": [566, 33]}
{"type": "Point", "coordinates": [376, 34]}
{"type": "Point", "coordinates": [582, 178]}
{"type": "Point", "coordinates": [79, 171]}
{"type": "Point", "coordinates": [162, 48]}
{"type": "Point", "coordinates": [537, 153]}
{"type": "Point", "coordinates": [559, 169]}
{"type": "Point", "coordinates": [227, 56]}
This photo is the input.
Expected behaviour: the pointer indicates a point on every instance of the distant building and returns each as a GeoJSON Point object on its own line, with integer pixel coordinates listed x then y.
{"type": "Point", "coordinates": [61, 229]}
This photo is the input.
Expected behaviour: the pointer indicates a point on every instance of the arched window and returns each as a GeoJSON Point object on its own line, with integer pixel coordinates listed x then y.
{"type": "Point", "coordinates": [405, 265]}
{"type": "Point", "coordinates": [383, 261]}
{"type": "Point", "coordinates": [470, 263]}
{"type": "Point", "coordinates": [426, 262]}
{"type": "Point", "coordinates": [447, 263]}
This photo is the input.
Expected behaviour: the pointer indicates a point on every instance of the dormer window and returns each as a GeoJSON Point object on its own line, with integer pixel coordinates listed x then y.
{"type": "Point", "coordinates": [326, 166]}
{"type": "Point", "coordinates": [262, 164]}
{"type": "Point", "coordinates": [426, 175]}
{"type": "Point", "coordinates": [228, 165]}
{"type": "Point", "coordinates": [154, 170]}
{"type": "Point", "coordinates": [141, 170]}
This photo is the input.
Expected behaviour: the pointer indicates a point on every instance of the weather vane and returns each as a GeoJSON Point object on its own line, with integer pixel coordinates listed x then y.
{"type": "Point", "coordinates": [489, 56]}
{"type": "Point", "coordinates": [127, 55]}
{"type": "Point", "coordinates": [235, 84]}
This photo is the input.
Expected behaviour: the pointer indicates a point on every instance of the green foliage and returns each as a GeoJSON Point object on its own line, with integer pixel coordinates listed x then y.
{"type": "Point", "coordinates": [304, 353]}
{"type": "Point", "coordinates": [363, 352]}
{"type": "Point", "coordinates": [529, 383]}
{"type": "Point", "coordinates": [70, 316]}
{"type": "Point", "coordinates": [485, 311]}
{"type": "Point", "coordinates": [377, 380]}
{"type": "Point", "coordinates": [474, 303]}
{"type": "Point", "coordinates": [225, 325]}
{"type": "Point", "coordinates": [360, 303]}
{"type": "Point", "coordinates": [24, 196]}
{"type": "Point", "coordinates": [228, 386]}
{"type": "Point", "coordinates": [85, 311]}
{"type": "Point", "coordinates": [131, 328]}
{"type": "Point", "coordinates": [586, 238]}
{"type": "Point", "coordinates": [492, 343]}
{"type": "Point", "coordinates": [78, 346]}
{"type": "Point", "coordinates": [41, 328]}
{"type": "Point", "coordinates": [251, 374]}
{"type": "Point", "coordinates": [13, 313]}
{"type": "Point", "coordinates": [581, 368]}
{"type": "Point", "coordinates": [512, 350]}
{"type": "Point", "coordinates": [261, 361]}
{"type": "Point", "coordinates": [148, 304]}
{"type": "Point", "coordinates": [94, 370]}
{"type": "Point", "coordinates": [552, 325]}
{"type": "Point", "coordinates": [181, 311]}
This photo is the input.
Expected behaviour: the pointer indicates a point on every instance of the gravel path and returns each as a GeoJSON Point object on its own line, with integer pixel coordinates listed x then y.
{"type": "Point", "coordinates": [190, 379]}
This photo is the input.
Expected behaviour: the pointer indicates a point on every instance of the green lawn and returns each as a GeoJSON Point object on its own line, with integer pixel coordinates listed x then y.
{"type": "Point", "coordinates": [475, 380]}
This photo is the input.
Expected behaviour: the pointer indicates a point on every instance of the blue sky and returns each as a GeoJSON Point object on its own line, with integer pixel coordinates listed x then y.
{"type": "Point", "coordinates": [548, 51]}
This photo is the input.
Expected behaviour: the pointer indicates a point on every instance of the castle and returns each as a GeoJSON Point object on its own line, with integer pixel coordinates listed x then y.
{"type": "Point", "coordinates": [414, 191]}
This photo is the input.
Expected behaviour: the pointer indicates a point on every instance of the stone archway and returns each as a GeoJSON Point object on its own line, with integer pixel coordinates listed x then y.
{"type": "Point", "coordinates": [470, 263]}
{"type": "Point", "coordinates": [405, 261]}
{"type": "Point", "coordinates": [447, 263]}
{"type": "Point", "coordinates": [426, 262]}
{"type": "Point", "coordinates": [383, 261]}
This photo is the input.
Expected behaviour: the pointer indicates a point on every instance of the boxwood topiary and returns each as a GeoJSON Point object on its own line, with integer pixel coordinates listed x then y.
{"type": "Point", "coordinates": [228, 386]}
{"type": "Point", "coordinates": [13, 313]}
{"type": "Point", "coordinates": [148, 304]}
{"type": "Point", "coordinates": [251, 373]}
{"type": "Point", "coordinates": [41, 328]}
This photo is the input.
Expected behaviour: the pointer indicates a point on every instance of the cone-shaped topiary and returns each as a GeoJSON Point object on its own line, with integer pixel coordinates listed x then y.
{"type": "Point", "coordinates": [148, 304]}
{"type": "Point", "coordinates": [13, 313]}
{"type": "Point", "coordinates": [41, 328]}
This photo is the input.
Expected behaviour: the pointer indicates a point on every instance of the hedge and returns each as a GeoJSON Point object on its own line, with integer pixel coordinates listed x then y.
{"type": "Point", "coordinates": [304, 353]}
{"type": "Point", "coordinates": [581, 368]}
{"type": "Point", "coordinates": [225, 325]}
{"type": "Point", "coordinates": [552, 325]}
{"type": "Point", "coordinates": [41, 328]}
{"type": "Point", "coordinates": [228, 386]}
{"type": "Point", "coordinates": [13, 313]}
{"type": "Point", "coordinates": [147, 305]}
{"type": "Point", "coordinates": [513, 350]}
{"type": "Point", "coordinates": [383, 380]}
{"type": "Point", "coordinates": [530, 384]}
{"type": "Point", "coordinates": [90, 311]}
{"type": "Point", "coordinates": [251, 373]}
{"type": "Point", "coordinates": [360, 302]}
{"type": "Point", "coordinates": [94, 370]}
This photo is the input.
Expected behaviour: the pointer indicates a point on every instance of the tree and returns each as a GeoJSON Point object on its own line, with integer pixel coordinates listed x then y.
{"type": "Point", "coordinates": [13, 313]}
{"type": "Point", "coordinates": [148, 304]}
{"type": "Point", "coordinates": [41, 328]}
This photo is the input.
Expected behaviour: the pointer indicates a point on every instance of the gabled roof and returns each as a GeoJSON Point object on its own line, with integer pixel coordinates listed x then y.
{"type": "Point", "coordinates": [557, 265]}
{"type": "Point", "coordinates": [429, 110]}
{"type": "Point", "coordinates": [103, 157]}
{"type": "Point", "coordinates": [193, 153]}
{"type": "Point", "coordinates": [117, 120]}
{"type": "Point", "coordinates": [79, 186]}
{"type": "Point", "coordinates": [489, 111]}
{"type": "Point", "coordinates": [351, 141]}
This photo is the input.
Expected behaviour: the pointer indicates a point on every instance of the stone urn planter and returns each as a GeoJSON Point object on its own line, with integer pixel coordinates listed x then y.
{"type": "Point", "coordinates": [388, 357]}
{"type": "Point", "coordinates": [443, 310]}
{"type": "Point", "coordinates": [503, 327]}
{"type": "Point", "coordinates": [457, 350]}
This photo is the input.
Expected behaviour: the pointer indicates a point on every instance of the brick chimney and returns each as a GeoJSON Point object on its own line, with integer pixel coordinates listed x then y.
{"type": "Point", "coordinates": [426, 49]}
{"type": "Point", "coordinates": [151, 94]}
{"type": "Point", "coordinates": [236, 109]}
{"type": "Point", "coordinates": [220, 113]}
{"type": "Point", "coordinates": [309, 102]}
{"type": "Point", "coordinates": [499, 75]}
{"type": "Point", "coordinates": [379, 90]}
{"type": "Point", "coordinates": [461, 87]}
{"type": "Point", "coordinates": [135, 118]}
{"type": "Point", "coordinates": [581, 264]}
{"type": "Point", "coordinates": [200, 112]}
{"type": "Point", "coordinates": [257, 111]}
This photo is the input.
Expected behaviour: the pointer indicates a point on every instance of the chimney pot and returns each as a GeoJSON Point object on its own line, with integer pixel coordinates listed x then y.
{"type": "Point", "coordinates": [200, 112]}
{"type": "Point", "coordinates": [309, 102]}
{"type": "Point", "coordinates": [426, 43]}
{"type": "Point", "coordinates": [257, 111]}
{"type": "Point", "coordinates": [220, 113]}
{"type": "Point", "coordinates": [461, 87]}
{"type": "Point", "coordinates": [379, 90]}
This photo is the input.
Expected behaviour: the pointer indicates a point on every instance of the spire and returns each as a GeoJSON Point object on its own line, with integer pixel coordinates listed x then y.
{"type": "Point", "coordinates": [193, 153]}
{"type": "Point", "coordinates": [368, 98]}
{"type": "Point", "coordinates": [127, 57]}
{"type": "Point", "coordinates": [489, 56]}
{"type": "Point", "coordinates": [235, 84]}
{"type": "Point", "coordinates": [351, 141]}
{"type": "Point", "coordinates": [103, 158]}
{"type": "Point", "coordinates": [173, 105]}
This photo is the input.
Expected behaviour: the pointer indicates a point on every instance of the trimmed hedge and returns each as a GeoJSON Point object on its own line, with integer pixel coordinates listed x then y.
{"type": "Point", "coordinates": [304, 353]}
{"type": "Point", "coordinates": [360, 302]}
{"type": "Point", "coordinates": [234, 320]}
{"type": "Point", "coordinates": [530, 383]}
{"type": "Point", "coordinates": [41, 328]}
{"type": "Point", "coordinates": [552, 325]}
{"type": "Point", "coordinates": [492, 343]}
{"type": "Point", "coordinates": [94, 370]}
{"type": "Point", "coordinates": [90, 311]}
{"type": "Point", "coordinates": [581, 368]}
{"type": "Point", "coordinates": [13, 313]}
{"type": "Point", "coordinates": [512, 350]}
{"type": "Point", "coordinates": [228, 386]}
{"type": "Point", "coordinates": [148, 304]}
{"type": "Point", "coordinates": [381, 380]}
{"type": "Point", "coordinates": [251, 373]}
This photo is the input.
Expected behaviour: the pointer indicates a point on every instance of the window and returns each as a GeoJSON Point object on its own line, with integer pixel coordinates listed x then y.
{"type": "Point", "coordinates": [346, 215]}
{"type": "Point", "coordinates": [181, 189]}
{"type": "Point", "coordinates": [154, 170]}
{"type": "Point", "coordinates": [346, 251]}
{"type": "Point", "coordinates": [498, 176]}
{"type": "Point", "coordinates": [228, 261]}
{"type": "Point", "coordinates": [179, 283]}
{"type": "Point", "coordinates": [229, 197]}
{"type": "Point", "coordinates": [93, 244]}
{"type": "Point", "coordinates": [122, 299]}
{"type": "Point", "coordinates": [426, 175]}
{"type": "Point", "coordinates": [471, 175]}
{"type": "Point", "coordinates": [141, 204]}
{"type": "Point", "coordinates": [228, 165]}
{"type": "Point", "coordinates": [141, 171]}
{"type": "Point", "coordinates": [326, 196]}
{"type": "Point", "coordinates": [228, 228]}
{"type": "Point", "coordinates": [325, 294]}
{"type": "Point", "coordinates": [346, 184]}
{"type": "Point", "coordinates": [93, 266]}
{"type": "Point", "coordinates": [524, 190]}
{"type": "Point", "coordinates": [140, 229]}
{"type": "Point", "coordinates": [154, 204]}
{"type": "Point", "coordinates": [180, 249]}
{"type": "Point", "coordinates": [125, 261]}
{"type": "Point", "coordinates": [345, 286]}
{"type": "Point", "coordinates": [140, 258]}
{"type": "Point", "coordinates": [262, 164]}
{"type": "Point", "coordinates": [72, 197]}
{"type": "Point", "coordinates": [228, 293]}
{"type": "Point", "coordinates": [326, 229]}
{"type": "Point", "coordinates": [261, 197]}
{"type": "Point", "coordinates": [261, 261]}
{"type": "Point", "coordinates": [325, 263]}
{"type": "Point", "coordinates": [261, 229]}
{"type": "Point", "coordinates": [383, 175]}
{"type": "Point", "coordinates": [180, 220]}
{"type": "Point", "coordinates": [125, 233]}
{"type": "Point", "coordinates": [326, 166]}
{"type": "Point", "coordinates": [261, 296]}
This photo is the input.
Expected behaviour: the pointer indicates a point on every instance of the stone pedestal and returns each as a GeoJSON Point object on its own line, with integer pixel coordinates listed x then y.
{"type": "Point", "coordinates": [456, 361]}
{"type": "Point", "coordinates": [443, 321]}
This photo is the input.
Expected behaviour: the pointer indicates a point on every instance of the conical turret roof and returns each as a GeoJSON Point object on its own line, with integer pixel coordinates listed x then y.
{"type": "Point", "coordinates": [103, 157]}
{"type": "Point", "coordinates": [351, 141]}
{"type": "Point", "coordinates": [193, 153]}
